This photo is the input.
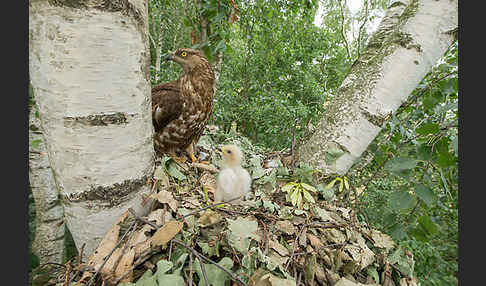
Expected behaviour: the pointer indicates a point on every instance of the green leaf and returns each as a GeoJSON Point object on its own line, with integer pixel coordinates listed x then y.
{"type": "Point", "coordinates": [216, 276]}
{"type": "Point", "coordinates": [401, 200]}
{"type": "Point", "coordinates": [331, 184]}
{"type": "Point", "coordinates": [35, 143]}
{"type": "Point", "coordinates": [327, 194]}
{"type": "Point", "coordinates": [346, 184]}
{"type": "Point", "coordinates": [256, 167]}
{"type": "Point", "coordinates": [170, 279]}
{"type": "Point", "coordinates": [332, 154]}
{"type": "Point", "coordinates": [426, 194]}
{"type": "Point", "coordinates": [400, 164]}
{"type": "Point", "coordinates": [293, 196]}
{"type": "Point", "coordinates": [373, 273]}
{"type": "Point", "coordinates": [397, 231]}
{"type": "Point", "coordinates": [418, 234]}
{"type": "Point", "coordinates": [147, 279]}
{"type": "Point", "coordinates": [308, 187]}
{"type": "Point", "coordinates": [445, 159]}
{"type": "Point", "coordinates": [430, 102]}
{"type": "Point", "coordinates": [308, 197]}
{"type": "Point", "coordinates": [208, 250]}
{"type": "Point", "coordinates": [289, 186]}
{"type": "Point", "coordinates": [173, 171]}
{"type": "Point", "coordinates": [163, 266]}
{"type": "Point", "coordinates": [454, 145]}
{"type": "Point", "coordinates": [427, 128]}
{"type": "Point", "coordinates": [428, 225]}
{"type": "Point", "coordinates": [304, 172]}
{"type": "Point", "coordinates": [240, 232]}
{"type": "Point", "coordinates": [221, 47]}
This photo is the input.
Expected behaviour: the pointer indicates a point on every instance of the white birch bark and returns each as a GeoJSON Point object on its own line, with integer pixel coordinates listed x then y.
{"type": "Point", "coordinates": [48, 242]}
{"type": "Point", "coordinates": [412, 36]}
{"type": "Point", "coordinates": [89, 68]}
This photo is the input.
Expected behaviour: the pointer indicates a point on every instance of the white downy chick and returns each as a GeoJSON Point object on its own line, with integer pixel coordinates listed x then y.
{"type": "Point", "coordinates": [233, 181]}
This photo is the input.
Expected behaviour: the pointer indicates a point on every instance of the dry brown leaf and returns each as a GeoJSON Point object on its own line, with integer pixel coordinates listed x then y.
{"type": "Point", "coordinates": [140, 242]}
{"type": "Point", "coordinates": [259, 278]}
{"type": "Point", "coordinates": [164, 234]}
{"type": "Point", "coordinates": [303, 238]}
{"type": "Point", "coordinates": [110, 264]}
{"type": "Point", "coordinates": [209, 217]}
{"type": "Point", "coordinates": [126, 262]}
{"type": "Point", "coordinates": [382, 240]}
{"type": "Point", "coordinates": [286, 226]}
{"type": "Point", "coordinates": [157, 216]}
{"type": "Point", "coordinates": [208, 182]}
{"type": "Point", "coordinates": [334, 236]}
{"type": "Point", "coordinates": [314, 241]}
{"type": "Point", "coordinates": [107, 244]}
{"type": "Point", "coordinates": [165, 197]}
{"type": "Point", "coordinates": [282, 250]}
{"type": "Point", "coordinates": [192, 202]}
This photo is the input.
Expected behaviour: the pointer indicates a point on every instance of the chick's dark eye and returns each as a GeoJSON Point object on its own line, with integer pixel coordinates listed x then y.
{"type": "Point", "coordinates": [229, 152]}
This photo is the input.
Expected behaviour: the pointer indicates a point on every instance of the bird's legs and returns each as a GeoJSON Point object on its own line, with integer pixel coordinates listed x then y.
{"type": "Point", "coordinates": [190, 151]}
{"type": "Point", "coordinates": [176, 158]}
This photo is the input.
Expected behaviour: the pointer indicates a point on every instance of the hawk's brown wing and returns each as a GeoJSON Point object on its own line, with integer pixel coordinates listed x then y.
{"type": "Point", "coordinates": [166, 104]}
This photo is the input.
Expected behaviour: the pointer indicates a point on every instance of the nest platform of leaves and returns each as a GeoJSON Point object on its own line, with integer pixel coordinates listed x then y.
{"type": "Point", "coordinates": [288, 233]}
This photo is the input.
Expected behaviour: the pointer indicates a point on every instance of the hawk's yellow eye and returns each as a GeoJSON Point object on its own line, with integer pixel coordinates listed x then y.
{"type": "Point", "coordinates": [183, 54]}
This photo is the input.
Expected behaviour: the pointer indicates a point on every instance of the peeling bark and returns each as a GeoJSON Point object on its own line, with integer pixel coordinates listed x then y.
{"type": "Point", "coordinates": [412, 36]}
{"type": "Point", "coordinates": [89, 68]}
{"type": "Point", "coordinates": [48, 243]}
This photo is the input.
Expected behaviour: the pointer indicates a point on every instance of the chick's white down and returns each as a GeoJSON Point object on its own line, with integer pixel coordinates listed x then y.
{"type": "Point", "coordinates": [233, 181]}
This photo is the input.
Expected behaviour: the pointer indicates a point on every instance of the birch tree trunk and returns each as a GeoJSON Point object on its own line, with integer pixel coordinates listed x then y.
{"type": "Point", "coordinates": [48, 242]}
{"type": "Point", "coordinates": [89, 68]}
{"type": "Point", "coordinates": [412, 36]}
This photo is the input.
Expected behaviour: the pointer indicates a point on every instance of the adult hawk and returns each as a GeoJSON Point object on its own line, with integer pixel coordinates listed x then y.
{"type": "Point", "coordinates": [181, 108]}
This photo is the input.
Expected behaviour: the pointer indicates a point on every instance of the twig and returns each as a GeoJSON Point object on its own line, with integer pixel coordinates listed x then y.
{"type": "Point", "coordinates": [80, 259]}
{"type": "Point", "coordinates": [342, 29]}
{"type": "Point", "coordinates": [293, 247]}
{"type": "Point", "coordinates": [170, 250]}
{"type": "Point", "coordinates": [142, 219]}
{"type": "Point", "coordinates": [387, 279]}
{"type": "Point", "coordinates": [111, 252]}
{"type": "Point", "coordinates": [203, 270]}
{"type": "Point", "coordinates": [210, 206]}
{"type": "Point", "coordinates": [200, 256]}
{"type": "Point", "coordinates": [190, 268]}
{"type": "Point", "coordinates": [299, 276]}
{"type": "Point", "coordinates": [52, 263]}
{"type": "Point", "coordinates": [66, 278]}
{"type": "Point", "coordinates": [361, 27]}
{"type": "Point", "coordinates": [151, 192]}
{"type": "Point", "coordinates": [231, 212]}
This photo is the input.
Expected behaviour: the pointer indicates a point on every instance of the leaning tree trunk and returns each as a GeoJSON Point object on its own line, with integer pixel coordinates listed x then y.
{"type": "Point", "coordinates": [48, 242]}
{"type": "Point", "coordinates": [413, 35]}
{"type": "Point", "coordinates": [89, 68]}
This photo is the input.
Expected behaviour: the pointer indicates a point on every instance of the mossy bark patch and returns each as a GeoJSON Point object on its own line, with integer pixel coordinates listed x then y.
{"type": "Point", "coordinates": [108, 196]}
{"type": "Point", "coordinates": [123, 6]}
{"type": "Point", "coordinates": [118, 118]}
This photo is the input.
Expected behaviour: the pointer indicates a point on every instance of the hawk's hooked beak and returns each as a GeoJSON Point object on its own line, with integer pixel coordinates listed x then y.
{"type": "Point", "coordinates": [169, 56]}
